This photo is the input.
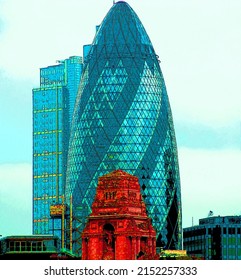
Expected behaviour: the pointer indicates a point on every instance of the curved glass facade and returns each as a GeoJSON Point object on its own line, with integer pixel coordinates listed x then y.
{"type": "Point", "coordinates": [122, 120]}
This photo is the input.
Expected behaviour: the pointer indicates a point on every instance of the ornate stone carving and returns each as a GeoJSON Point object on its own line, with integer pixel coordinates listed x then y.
{"type": "Point", "coordinates": [124, 229]}
{"type": "Point", "coordinates": [143, 226]}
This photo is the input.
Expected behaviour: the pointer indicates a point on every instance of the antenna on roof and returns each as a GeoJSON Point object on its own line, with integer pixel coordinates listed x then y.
{"type": "Point", "coordinates": [210, 214]}
{"type": "Point", "coordinates": [113, 2]}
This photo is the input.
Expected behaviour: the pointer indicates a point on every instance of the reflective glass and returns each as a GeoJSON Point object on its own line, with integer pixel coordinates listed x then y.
{"type": "Point", "coordinates": [122, 120]}
{"type": "Point", "coordinates": [53, 104]}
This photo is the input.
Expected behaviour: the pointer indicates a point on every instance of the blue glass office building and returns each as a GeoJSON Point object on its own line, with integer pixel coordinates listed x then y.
{"type": "Point", "coordinates": [53, 104]}
{"type": "Point", "coordinates": [122, 120]}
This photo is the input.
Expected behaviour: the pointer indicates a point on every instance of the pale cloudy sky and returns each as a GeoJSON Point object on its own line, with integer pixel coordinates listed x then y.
{"type": "Point", "coordinates": [199, 44]}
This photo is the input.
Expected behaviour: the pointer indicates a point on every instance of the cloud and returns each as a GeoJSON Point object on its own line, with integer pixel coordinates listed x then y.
{"type": "Point", "coordinates": [16, 120]}
{"type": "Point", "coordinates": [41, 32]}
{"type": "Point", "coordinates": [199, 47]}
{"type": "Point", "coordinates": [210, 180]}
{"type": "Point", "coordinates": [204, 136]}
{"type": "Point", "coordinates": [15, 199]}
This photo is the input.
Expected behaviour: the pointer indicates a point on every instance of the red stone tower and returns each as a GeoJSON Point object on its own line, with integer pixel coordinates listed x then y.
{"type": "Point", "coordinates": [118, 228]}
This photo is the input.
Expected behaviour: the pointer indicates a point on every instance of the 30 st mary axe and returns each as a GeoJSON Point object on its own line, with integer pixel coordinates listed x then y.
{"type": "Point", "coordinates": [122, 120]}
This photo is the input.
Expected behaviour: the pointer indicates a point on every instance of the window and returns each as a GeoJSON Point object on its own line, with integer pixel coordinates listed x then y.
{"type": "Point", "coordinates": [239, 253]}
{"type": "Point", "coordinates": [232, 241]}
{"type": "Point", "coordinates": [17, 246]}
{"type": "Point", "coordinates": [28, 243]}
{"type": "Point", "coordinates": [225, 253]}
{"type": "Point", "coordinates": [23, 246]}
{"type": "Point", "coordinates": [110, 195]}
{"type": "Point", "coordinates": [231, 253]}
{"type": "Point", "coordinates": [34, 246]}
{"type": "Point", "coordinates": [11, 246]}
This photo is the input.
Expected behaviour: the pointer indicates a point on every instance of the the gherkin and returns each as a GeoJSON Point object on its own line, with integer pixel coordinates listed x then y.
{"type": "Point", "coordinates": [122, 120]}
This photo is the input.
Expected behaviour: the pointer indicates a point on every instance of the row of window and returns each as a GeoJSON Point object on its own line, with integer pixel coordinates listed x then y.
{"type": "Point", "coordinates": [227, 253]}
{"type": "Point", "coordinates": [32, 246]}
{"type": "Point", "coordinates": [210, 231]}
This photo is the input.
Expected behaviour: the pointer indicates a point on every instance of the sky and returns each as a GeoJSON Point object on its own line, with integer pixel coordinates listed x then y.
{"type": "Point", "coordinates": [199, 45]}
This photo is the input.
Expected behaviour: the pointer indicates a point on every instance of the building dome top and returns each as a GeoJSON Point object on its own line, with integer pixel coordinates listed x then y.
{"type": "Point", "coordinates": [121, 29]}
{"type": "Point", "coordinates": [119, 2]}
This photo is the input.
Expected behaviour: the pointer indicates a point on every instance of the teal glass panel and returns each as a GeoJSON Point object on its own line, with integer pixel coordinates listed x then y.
{"type": "Point", "coordinates": [53, 104]}
{"type": "Point", "coordinates": [122, 120]}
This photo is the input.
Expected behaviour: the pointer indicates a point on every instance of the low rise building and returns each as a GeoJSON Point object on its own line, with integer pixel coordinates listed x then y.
{"type": "Point", "coordinates": [32, 247]}
{"type": "Point", "coordinates": [215, 238]}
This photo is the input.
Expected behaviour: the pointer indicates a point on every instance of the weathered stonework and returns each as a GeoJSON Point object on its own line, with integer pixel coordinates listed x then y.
{"type": "Point", "coordinates": [118, 227]}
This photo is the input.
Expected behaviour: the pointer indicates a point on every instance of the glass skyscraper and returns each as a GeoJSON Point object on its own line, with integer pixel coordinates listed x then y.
{"type": "Point", "coordinates": [53, 104]}
{"type": "Point", "coordinates": [122, 120]}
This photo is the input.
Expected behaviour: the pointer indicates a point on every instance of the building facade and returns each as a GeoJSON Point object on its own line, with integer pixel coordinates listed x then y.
{"type": "Point", "coordinates": [215, 238]}
{"type": "Point", "coordinates": [53, 104]}
{"type": "Point", "coordinates": [123, 120]}
{"type": "Point", "coordinates": [118, 227]}
{"type": "Point", "coordinates": [33, 247]}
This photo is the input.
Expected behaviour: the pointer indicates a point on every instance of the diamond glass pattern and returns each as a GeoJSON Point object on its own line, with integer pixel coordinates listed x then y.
{"type": "Point", "coordinates": [122, 120]}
